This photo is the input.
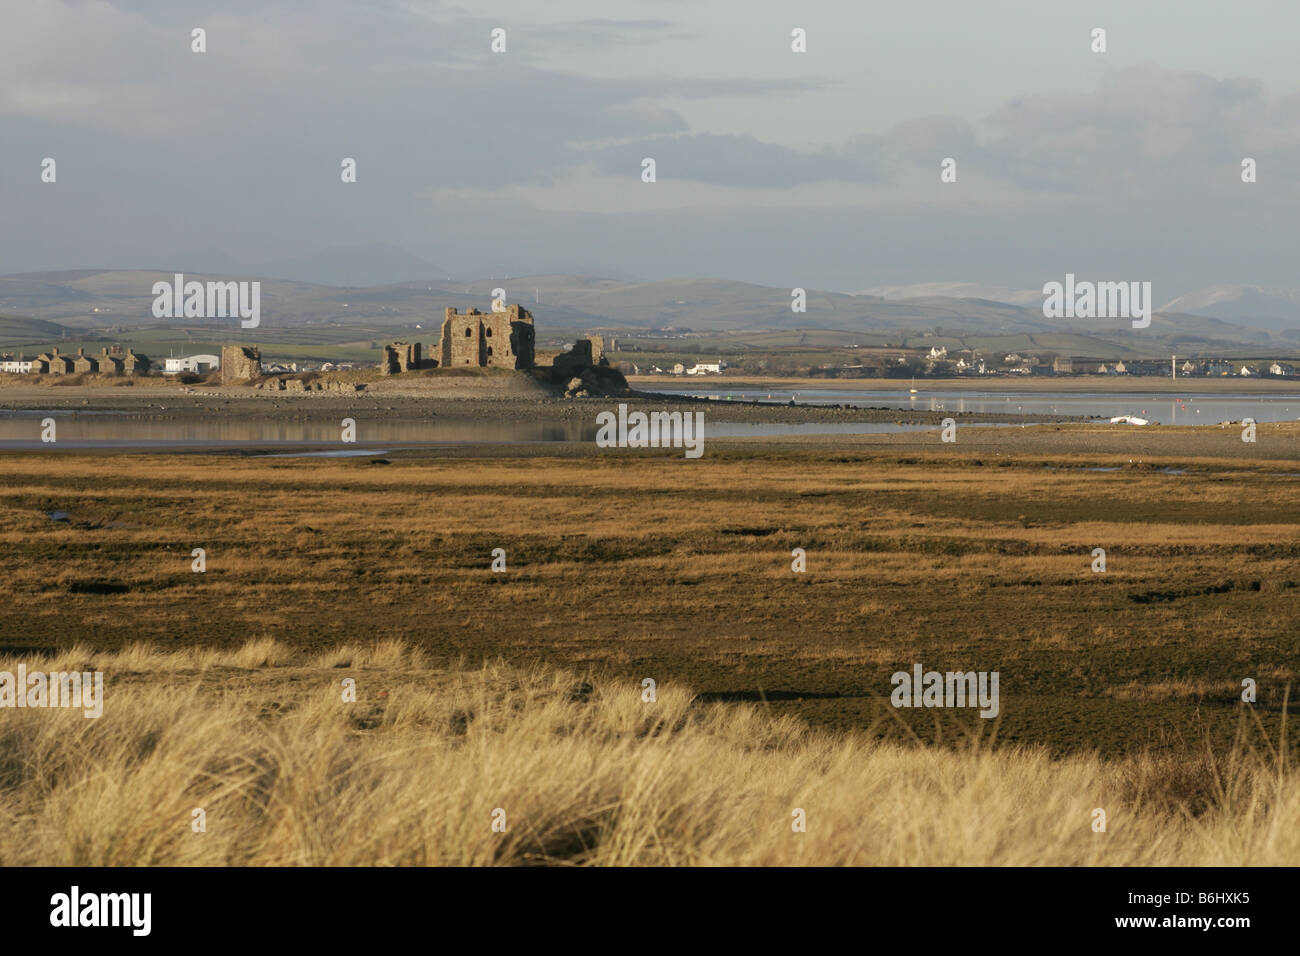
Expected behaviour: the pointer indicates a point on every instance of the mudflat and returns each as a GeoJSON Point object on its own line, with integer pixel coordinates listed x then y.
{"type": "Point", "coordinates": [644, 564]}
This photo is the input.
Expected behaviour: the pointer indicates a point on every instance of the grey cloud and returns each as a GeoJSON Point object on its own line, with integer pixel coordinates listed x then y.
{"type": "Point", "coordinates": [1143, 131]}
{"type": "Point", "coordinates": [741, 161]}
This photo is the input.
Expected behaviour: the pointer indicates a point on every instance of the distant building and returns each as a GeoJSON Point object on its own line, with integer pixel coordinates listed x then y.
{"type": "Point", "coordinates": [83, 364]}
{"type": "Point", "coordinates": [134, 364]}
{"type": "Point", "coordinates": [53, 363]}
{"type": "Point", "coordinates": [110, 360]}
{"type": "Point", "coordinates": [16, 366]}
{"type": "Point", "coordinates": [197, 364]}
{"type": "Point", "coordinates": [707, 368]}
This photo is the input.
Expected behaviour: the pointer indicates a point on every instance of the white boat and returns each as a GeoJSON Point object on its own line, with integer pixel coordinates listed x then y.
{"type": "Point", "coordinates": [1128, 420]}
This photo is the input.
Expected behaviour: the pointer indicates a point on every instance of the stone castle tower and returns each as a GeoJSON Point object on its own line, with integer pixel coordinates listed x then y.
{"type": "Point", "coordinates": [488, 339]}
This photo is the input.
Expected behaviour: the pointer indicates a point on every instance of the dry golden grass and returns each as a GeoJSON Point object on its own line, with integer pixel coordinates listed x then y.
{"type": "Point", "coordinates": [586, 772]}
{"type": "Point", "coordinates": [681, 570]}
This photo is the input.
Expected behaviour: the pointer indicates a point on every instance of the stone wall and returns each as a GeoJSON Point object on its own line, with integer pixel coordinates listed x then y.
{"type": "Point", "coordinates": [239, 363]}
{"type": "Point", "coordinates": [401, 357]}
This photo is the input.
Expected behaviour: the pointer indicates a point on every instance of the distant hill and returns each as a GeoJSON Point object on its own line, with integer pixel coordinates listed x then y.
{"type": "Point", "coordinates": [352, 266]}
{"type": "Point", "coordinates": [18, 332]}
{"type": "Point", "coordinates": [108, 303]}
{"type": "Point", "coordinates": [1243, 304]}
{"type": "Point", "coordinates": [958, 290]}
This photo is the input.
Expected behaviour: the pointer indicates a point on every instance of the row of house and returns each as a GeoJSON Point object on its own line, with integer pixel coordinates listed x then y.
{"type": "Point", "coordinates": [1192, 368]}
{"type": "Point", "coordinates": [111, 361]}
{"type": "Point", "coordinates": [699, 368]}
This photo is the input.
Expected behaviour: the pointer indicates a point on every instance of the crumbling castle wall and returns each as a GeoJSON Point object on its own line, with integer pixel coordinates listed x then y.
{"type": "Point", "coordinates": [587, 352]}
{"type": "Point", "coordinates": [239, 363]}
{"type": "Point", "coordinates": [401, 357]}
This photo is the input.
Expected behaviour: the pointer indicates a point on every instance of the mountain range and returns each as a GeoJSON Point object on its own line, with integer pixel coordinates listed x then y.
{"type": "Point", "coordinates": [111, 301]}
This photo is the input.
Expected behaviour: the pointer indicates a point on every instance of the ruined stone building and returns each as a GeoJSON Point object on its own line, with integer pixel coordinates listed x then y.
{"type": "Point", "coordinates": [239, 363]}
{"type": "Point", "coordinates": [471, 338]}
{"type": "Point", "coordinates": [401, 357]}
{"type": "Point", "coordinates": [488, 340]}
{"type": "Point", "coordinates": [587, 352]}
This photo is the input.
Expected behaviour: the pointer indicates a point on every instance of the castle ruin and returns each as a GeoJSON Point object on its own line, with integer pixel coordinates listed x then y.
{"type": "Point", "coordinates": [488, 340]}
{"type": "Point", "coordinates": [506, 339]}
{"type": "Point", "coordinates": [401, 357]}
{"type": "Point", "coordinates": [472, 338]}
{"type": "Point", "coordinates": [239, 363]}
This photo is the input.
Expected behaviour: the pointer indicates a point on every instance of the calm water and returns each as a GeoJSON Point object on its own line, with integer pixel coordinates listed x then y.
{"type": "Point", "coordinates": [83, 430]}
{"type": "Point", "coordinates": [1189, 409]}
{"type": "Point", "coordinates": [107, 429]}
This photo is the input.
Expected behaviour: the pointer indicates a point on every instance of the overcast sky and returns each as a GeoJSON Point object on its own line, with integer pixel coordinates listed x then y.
{"type": "Point", "coordinates": [818, 169]}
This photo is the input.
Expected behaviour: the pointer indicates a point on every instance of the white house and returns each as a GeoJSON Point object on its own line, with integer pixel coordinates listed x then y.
{"type": "Point", "coordinates": [199, 364]}
{"type": "Point", "coordinates": [938, 352]}
{"type": "Point", "coordinates": [17, 366]}
{"type": "Point", "coordinates": [707, 368]}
